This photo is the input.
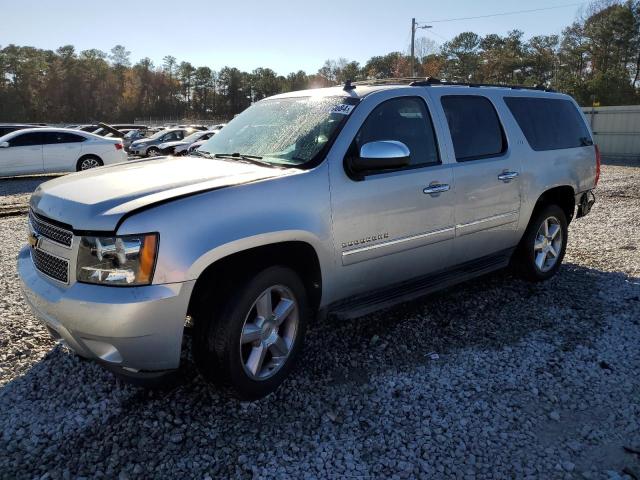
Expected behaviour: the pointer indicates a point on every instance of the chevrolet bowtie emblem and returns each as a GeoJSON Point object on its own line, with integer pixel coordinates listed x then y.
{"type": "Point", "coordinates": [33, 240]}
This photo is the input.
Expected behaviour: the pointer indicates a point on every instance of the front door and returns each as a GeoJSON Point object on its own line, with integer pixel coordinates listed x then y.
{"type": "Point", "coordinates": [22, 156]}
{"type": "Point", "coordinates": [486, 173]}
{"type": "Point", "coordinates": [392, 226]}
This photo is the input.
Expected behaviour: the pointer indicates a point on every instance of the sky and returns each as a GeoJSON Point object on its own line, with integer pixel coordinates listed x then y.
{"type": "Point", "coordinates": [284, 35]}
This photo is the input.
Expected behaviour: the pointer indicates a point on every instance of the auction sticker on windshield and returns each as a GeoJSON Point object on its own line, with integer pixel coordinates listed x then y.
{"type": "Point", "coordinates": [342, 109]}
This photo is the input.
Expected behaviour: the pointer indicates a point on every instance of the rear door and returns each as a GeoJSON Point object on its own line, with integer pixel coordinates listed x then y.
{"type": "Point", "coordinates": [486, 173]}
{"type": "Point", "coordinates": [387, 228]}
{"type": "Point", "coordinates": [23, 155]}
{"type": "Point", "coordinates": [61, 151]}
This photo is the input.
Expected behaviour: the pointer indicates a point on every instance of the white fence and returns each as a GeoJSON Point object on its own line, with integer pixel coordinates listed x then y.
{"type": "Point", "coordinates": [616, 130]}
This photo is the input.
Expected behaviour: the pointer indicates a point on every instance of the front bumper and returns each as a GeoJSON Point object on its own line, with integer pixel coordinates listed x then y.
{"type": "Point", "coordinates": [135, 329]}
{"type": "Point", "coordinates": [137, 150]}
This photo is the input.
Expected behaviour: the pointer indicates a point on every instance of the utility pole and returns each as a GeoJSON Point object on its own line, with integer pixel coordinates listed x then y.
{"type": "Point", "coordinates": [414, 27]}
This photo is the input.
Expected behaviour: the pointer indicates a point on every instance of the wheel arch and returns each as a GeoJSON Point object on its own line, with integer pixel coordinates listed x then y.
{"type": "Point", "coordinates": [562, 195]}
{"type": "Point", "coordinates": [298, 255]}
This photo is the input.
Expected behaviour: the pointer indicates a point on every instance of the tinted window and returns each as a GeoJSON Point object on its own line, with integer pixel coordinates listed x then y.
{"type": "Point", "coordinates": [474, 125]}
{"type": "Point", "coordinates": [549, 124]}
{"type": "Point", "coordinates": [26, 139]}
{"type": "Point", "coordinates": [60, 137]}
{"type": "Point", "coordinates": [5, 130]}
{"type": "Point", "coordinates": [405, 120]}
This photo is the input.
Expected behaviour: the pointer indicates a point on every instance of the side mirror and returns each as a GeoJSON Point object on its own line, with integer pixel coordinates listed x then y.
{"type": "Point", "coordinates": [4, 145]}
{"type": "Point", "coordinates": [381, 155]}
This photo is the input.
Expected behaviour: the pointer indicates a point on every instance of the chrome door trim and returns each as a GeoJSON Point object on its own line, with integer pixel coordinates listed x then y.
{"type": "Point", "coordinates": [487, 223]}
{"type": "Point", "coordinates": [396, 245]}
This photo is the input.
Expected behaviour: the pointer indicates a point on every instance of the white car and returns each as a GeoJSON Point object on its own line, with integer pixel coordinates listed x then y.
{"type": "Point", "coordinates": [180, 147]}
{"type": "Point", "coordinates": [54, 150]}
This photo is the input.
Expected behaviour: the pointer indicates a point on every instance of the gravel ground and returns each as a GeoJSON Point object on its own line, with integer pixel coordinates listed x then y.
{"type": "Point", "coordinates": [490, 379]}
{"type": "Point", "coordinates": [16, 190]}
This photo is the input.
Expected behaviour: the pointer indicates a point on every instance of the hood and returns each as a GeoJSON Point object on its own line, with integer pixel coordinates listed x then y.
{"type": "Point", "coordinates": [99, 198]}
{"type": "Point", "coordinates": [171, 144]}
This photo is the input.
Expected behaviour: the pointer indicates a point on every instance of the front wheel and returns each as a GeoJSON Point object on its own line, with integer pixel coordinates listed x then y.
{"type": "Point", "coordinates": [248, 341]}
{"type": "Point", "coordinates": [153, 152]}
{"type": "Point", "coordinates": [543, 245]}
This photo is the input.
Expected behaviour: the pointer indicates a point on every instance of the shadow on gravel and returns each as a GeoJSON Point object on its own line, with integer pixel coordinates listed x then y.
{"type": "Point", "coordinates": [71, 414]}
{"type": "Point", "coordinates": [23, 185]}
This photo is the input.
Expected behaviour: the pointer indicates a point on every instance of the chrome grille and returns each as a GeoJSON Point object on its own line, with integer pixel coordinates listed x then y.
{"type": "Point", "coordinates": [54, 267]}
{"type": "Point", "coordinates": [52, 232]}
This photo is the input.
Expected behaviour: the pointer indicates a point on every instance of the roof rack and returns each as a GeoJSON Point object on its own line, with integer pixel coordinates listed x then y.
{"type": "Point", "coordinates": [429, 81]}
{"type": "Point", "coordinates": [426, 82]}
{"type": "Point", "coordinates": [388, 81]}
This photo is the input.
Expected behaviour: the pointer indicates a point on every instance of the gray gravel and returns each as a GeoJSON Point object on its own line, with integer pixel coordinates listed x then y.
{"type": "Point", "coordinates": [490, 379]}
{"type": "Point", "coordinates": [16, 190]}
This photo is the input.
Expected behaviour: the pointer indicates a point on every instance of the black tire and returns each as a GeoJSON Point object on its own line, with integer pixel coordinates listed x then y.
{"type": "Point", "coordinates": [219, 323]}
{"type": "Point", "coordinates": [92, 158]}
{"type": "Point", "coordinates": [525, 255]}
{"type": "Point", "coordinates": [152, 152]}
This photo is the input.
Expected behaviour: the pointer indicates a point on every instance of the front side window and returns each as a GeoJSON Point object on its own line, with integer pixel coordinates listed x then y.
{"type": "Point", "coordinates": [283, 131]}
{"type": "Point", "coordinates": [549, 123]}
{"type": "Point", "coordinates": [474, 125]}
{"type": "Point", "coordinates": [406, 120]}
{"type": "Point", "coordinates": [26, 140]}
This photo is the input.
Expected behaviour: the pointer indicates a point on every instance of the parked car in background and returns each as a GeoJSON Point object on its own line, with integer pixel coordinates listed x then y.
{"type": "Point", "coordinates": [335, 201]}
{"type": "Point", "coordinates": [180, 147]}
{"type": "Point", "coordinates": [53, 150]}
{"type": "Point", "coordinates": [219, 126]}
{"type": "Point", "coordinates": [12, 127]}
{"type": "Point", "coordinates": [149, 147]}
{"type": "Point", "coordinates": [195, 146]}
{"type": "Point", "coordinates": [133, 135]}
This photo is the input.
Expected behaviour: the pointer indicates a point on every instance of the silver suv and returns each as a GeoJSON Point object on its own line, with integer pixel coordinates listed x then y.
{"type": "Point", "coordinates": [334, 201]}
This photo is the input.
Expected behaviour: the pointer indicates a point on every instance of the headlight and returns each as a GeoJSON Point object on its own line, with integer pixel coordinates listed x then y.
{"type": "Point", "coordinates": [122, 260]}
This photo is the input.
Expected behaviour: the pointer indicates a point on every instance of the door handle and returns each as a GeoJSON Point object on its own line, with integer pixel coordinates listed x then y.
{"type": "Point", "coordinates": [435, 188]}
{"type": "Point", "coordinates": [506, 177]}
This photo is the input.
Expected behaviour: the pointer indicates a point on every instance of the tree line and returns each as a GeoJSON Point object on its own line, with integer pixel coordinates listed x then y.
{"type": "Point", "coordinates": [595, 59]}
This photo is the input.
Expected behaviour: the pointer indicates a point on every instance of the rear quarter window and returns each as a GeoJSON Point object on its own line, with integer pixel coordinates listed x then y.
{"type": "Point", "coordinates": [549, 123]}
{"type": "Point", "coordinates": [476, 131]}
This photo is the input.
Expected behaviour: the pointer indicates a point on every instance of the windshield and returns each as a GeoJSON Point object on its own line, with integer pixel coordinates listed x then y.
{"type": "Point", "coordinates": [193, 137]}
{"type": "Point", "coordinates": [157, 135]}
{"type": "Point", "coordinates": [284, 131]}
{"type": "Point", "coordinates": [131, 134]}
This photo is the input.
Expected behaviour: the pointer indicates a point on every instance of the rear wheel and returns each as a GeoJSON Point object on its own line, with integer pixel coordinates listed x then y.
{"type": "Point", "coordinates": [543, 245]}
{"type": "Point", "coordinates": [249, 340]}
{"type": "Point", "coordinates": [87, 162]}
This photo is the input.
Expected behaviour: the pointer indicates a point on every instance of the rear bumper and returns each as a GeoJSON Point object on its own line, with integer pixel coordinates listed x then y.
{"type": "Point", "coordinates": [134, 328]}
{"type": "Point", "coordinates": [584, 201]}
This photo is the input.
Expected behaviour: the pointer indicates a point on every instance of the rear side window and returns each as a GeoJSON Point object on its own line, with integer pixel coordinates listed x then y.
{"type": "Point", "coordinates": [475, 128]}
{"type": "Point", "coordinates": [61, 137]}
{"type": "Point", "coordinates": [549, 123]}
{"type": "Point", "coordinates": [406, 120]}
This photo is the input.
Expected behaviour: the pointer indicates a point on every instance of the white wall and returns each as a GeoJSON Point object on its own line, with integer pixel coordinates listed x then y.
{"type": "Point", "coordinates": [616, 129]}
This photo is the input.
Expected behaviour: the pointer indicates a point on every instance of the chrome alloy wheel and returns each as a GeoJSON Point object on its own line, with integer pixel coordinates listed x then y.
{"type": "Point", "coordinates": [548, 244]}
{"type": "Point", "coordinates": [269, 332]}
{"type": "Point", "coordinates": [88, 163]}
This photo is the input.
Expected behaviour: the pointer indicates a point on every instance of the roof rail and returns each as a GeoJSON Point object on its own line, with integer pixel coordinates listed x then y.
{"type": "Point", "coordinates": [388, 81]}
{"type": "Point", "coordinates": [427, 82]}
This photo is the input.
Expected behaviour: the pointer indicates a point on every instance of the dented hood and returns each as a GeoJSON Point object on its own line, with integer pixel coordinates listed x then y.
{"type": "Point", "coordinates": [97, 199]}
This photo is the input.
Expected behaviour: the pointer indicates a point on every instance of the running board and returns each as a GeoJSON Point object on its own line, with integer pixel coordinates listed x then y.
{"type": "Point", "coordinates": [369, 302]}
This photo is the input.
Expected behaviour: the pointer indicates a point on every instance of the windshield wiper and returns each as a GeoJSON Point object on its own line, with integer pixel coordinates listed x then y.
{"type": "Point", "coordinates": [248, 158]}
{"type": "Point", "coordinates": [201, 153]}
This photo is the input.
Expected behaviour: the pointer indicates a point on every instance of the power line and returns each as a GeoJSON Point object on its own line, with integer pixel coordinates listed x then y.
{"type": "Point", "coordinates": [506, 13]}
